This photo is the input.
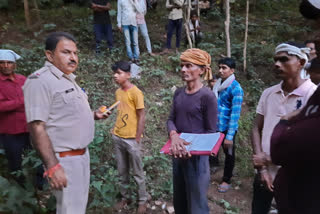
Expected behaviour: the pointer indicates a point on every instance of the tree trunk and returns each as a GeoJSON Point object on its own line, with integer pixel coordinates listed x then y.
{"type": "Point", "coordinates": [198, 10]}
{"type": "Point", "coordinates": [186, 23]}
{"type": "Point", "coordinates": [227, 28]}
{"type": "Point", "coordinates": [35, 4]}
{"type": "Point", "coordinates": [27, 13]}
{"type": "Point", "coordinates": [246, 40]}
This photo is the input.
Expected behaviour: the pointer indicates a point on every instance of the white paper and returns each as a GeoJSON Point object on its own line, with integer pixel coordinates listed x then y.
{"type": "Point", "coordinates": [200, 142]}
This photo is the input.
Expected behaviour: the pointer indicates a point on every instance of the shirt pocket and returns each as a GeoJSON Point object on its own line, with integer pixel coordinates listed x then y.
{"type": "Point", "coordinates": [64, 100]}
{"type": "Point", "coordinates": [69, 96]}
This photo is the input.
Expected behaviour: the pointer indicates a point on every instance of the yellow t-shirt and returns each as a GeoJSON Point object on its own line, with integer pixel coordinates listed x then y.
{"type": "Point", "coordinates": [127, 121]}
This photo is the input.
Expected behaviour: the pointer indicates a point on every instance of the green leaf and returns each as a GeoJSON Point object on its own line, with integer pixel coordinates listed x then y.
{"type": "Point", "coordinates": [112, 12]}
{"type": "Point", "coordinates": [97, 185]}
{"type": "Point", "coordinates": [49, 27]}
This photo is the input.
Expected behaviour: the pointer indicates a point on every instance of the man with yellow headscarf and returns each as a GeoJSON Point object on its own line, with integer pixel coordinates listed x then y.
{"type": "Point", "coordinates": [194, 110]}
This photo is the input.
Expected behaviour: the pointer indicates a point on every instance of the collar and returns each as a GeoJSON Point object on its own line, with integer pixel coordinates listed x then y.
{"type": "Point", "coordinates": [59, 74]}
{"type": "Point", "coordinates": [3, 77]}
{"type": "Point", "coordinates": [300, 91]}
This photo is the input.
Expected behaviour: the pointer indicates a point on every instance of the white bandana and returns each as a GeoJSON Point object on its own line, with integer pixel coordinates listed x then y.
{"type": "Point", "coordinates": [219, 85]}
{"type": "Point", "coordinates": [315, 3]}
{"type": "Point", "coordinates": [299, 52]}
{"type": "Point", "coordinates": [8, 55]}
{"type": "Point", "coordinates": [293, 50]}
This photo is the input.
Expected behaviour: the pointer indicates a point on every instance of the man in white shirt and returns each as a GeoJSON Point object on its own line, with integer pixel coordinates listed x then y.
{"type": "Point", "coordinates": [291, 94]}
{"type": "Point", "coordinates": [175, 23]}
{"type": "Point", "coordinates": [126, 18]}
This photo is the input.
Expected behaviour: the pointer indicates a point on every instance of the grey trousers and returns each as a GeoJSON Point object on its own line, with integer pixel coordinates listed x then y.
{"type": "Point", "coordinates": [74, 198]}
{"type": "Point", "coordinates": [191, 179]}
{"type": "Point", "coordinates": [128, 154]}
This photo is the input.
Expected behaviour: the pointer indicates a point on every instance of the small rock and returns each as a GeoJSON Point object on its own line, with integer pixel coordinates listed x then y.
{"type": "Point", "coordinates": [159, 103]}
{"type": "Point", "coordinates": [163, 206]}
{"type": "Point", "coordinates": [170, 209]}
{"type": "Point", "coordinates": [153, 207]}
{"type": "Point", "coordinates": [158, 203]}
{"type": "Point", "coordinates": [237, 188]}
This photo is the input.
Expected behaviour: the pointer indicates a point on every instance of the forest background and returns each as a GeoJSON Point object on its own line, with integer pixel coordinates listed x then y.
{"type": "Point", "coordinates": [270, 23]}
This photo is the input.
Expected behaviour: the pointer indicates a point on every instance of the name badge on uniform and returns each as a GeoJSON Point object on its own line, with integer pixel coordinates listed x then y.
{"type": "Point", "coordinates": [69, 90]}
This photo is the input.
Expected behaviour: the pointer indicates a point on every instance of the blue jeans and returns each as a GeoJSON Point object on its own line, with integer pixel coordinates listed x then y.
{"type": "Point", "coordinates": [131, 39]}
{"type": "Point", "coordinates": [190, 185]}
{"type": "Point", "coordinates": [144, 31]}
{"type": "Point", "coordinates": [174, 25]}
{"type": "Point", "coordinates": [103, 32]}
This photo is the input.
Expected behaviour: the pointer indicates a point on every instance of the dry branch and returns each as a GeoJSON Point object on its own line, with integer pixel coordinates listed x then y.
{"type": "Point", "coordinates": [27, 13]}
{"type": "Point", "coordinates": [246, 39]}
{"type": "Point", "coordinates": [227, 27]}
{"type": "Point", "coordinates": [186, 23]}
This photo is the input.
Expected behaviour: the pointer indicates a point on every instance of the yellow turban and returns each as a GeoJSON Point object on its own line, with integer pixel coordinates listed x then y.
{"type": "Point", "coordinates": [198, 57]}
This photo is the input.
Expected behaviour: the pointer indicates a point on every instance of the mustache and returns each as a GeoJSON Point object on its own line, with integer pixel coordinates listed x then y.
{"type": "Point", "coordinates": [72, 62]}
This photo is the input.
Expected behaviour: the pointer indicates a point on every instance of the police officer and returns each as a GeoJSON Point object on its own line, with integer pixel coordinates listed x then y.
{"type": "Point", "coordinates": [61, 123]}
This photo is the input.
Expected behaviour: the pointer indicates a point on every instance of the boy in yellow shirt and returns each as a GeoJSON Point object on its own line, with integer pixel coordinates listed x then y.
{"type": "Point", "coordinates": [127, 134]}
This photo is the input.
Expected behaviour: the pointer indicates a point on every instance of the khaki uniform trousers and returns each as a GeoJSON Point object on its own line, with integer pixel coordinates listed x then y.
{"type": "Point", "coordinates": [73, 199]}
{"type": "Point", "coordinates": [128, 154]}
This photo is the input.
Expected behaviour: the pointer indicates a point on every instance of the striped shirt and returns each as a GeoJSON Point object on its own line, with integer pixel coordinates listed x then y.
{"type": "Point", "coordinates": [229, 109]}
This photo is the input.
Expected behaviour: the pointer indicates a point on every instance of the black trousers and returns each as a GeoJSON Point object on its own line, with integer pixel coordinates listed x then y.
{"type": "Point", "coordinates": [174, 25]}
{"type": "Point", "coordinates": [262, 197]}
{"type": "Point", "coordinates": [229, 160]}
{"type": "Point", "coordinates": [14, 145]}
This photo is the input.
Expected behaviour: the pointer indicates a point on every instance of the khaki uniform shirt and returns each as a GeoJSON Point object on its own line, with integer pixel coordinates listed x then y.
{"type": "Point", "coordinates": [55, 98]}
{"type": "Point", "coordinates": [273, 104]}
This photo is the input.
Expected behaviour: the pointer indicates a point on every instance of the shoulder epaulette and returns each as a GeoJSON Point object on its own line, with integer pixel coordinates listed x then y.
{"type": "Point", "coordinates": [36, 74]}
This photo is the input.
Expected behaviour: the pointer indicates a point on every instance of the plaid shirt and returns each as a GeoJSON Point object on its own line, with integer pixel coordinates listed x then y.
{"type": "Point", "coordinates": [229, 109]}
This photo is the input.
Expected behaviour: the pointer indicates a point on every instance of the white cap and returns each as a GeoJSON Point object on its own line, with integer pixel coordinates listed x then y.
{"type": "Point", "coordinates": [8, 55]}
{"type": "Point", "coordinates": [315, 3]}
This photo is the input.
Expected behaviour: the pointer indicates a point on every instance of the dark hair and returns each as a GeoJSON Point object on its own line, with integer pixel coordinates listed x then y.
{"type": "Point", "coordinates": [315, 65]}
{"type": "Point", "coordinates": [193, 13]}
{"type": "Point", "coordinates": [308, 42]}
{"type": "Point", "coordinates": [122, 65]}
{"type": "Point", "coordinates": [296, 44]}
{"type": "Point", "coordinates": [53, 39]}
{"type": "Point", "coordinates": [227, 61]}
{"type": "Point", "coordinates": [308, 10]}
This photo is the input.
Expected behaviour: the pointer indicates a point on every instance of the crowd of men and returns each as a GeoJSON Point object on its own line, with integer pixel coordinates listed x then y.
{"type": "Point", "coordinates": [131, 20]}
{"type": "Point", "coordinates": [50, 110]}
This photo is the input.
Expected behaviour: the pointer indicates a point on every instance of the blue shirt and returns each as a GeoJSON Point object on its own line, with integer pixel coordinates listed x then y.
{"type": "Point", "coordinates": [229, 109]}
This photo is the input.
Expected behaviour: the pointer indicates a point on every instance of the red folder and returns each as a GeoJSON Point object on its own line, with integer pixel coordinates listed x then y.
{"type": "Point", "coordinates": [166, 148]}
